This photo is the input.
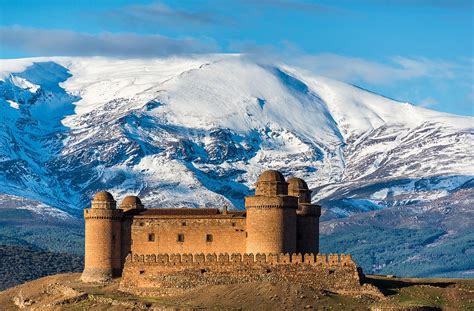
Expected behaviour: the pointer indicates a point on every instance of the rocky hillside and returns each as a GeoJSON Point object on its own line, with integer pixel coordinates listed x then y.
{"type": "Point", "coordinates": [66, 292]}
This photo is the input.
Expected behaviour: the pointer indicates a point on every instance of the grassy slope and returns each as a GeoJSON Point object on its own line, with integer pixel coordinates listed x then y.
{"type": "Point", "coordinates": [32, 247]}
{"type": "Point", "coordinates": [21, 264]}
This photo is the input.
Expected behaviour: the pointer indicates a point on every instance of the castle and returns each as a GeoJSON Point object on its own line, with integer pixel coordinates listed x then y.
{"type": "Point", "coordinates": [276, 237]}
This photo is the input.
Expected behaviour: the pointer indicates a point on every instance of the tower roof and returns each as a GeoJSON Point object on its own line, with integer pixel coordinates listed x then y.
{"type": "Point", "coordinates": [103, 200]}
{"type": "Point", "coordinates": [103, 196]}
{"type": "Point", "coordinates": [131, 201]}
{"type": "Point", "coordinates": [271, 176]}
{"type": "Point", "coordinates": [297, 184]}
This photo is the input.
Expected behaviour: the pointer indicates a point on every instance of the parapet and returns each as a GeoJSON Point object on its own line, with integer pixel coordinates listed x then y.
{"type": "Point", "coordinates": [271, 202]}
{"type": "Point", "coordinates": [323, 260]}
{"type": "Point", "coordinates": [102, 213]}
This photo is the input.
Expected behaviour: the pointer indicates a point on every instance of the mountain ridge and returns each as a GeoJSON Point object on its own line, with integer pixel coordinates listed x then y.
{"type": "Point", "coordinates": [317, 126]}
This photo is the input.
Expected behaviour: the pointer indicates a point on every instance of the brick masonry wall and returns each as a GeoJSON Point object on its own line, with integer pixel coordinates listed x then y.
{"type": "Point", "coordinates": [228, 235]}
{"type": "Point", "coordinates": [163, 274]}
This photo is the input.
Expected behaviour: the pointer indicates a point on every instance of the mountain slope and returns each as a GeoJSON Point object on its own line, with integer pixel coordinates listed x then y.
{"type": "Point", "coordinates": [75, 125]}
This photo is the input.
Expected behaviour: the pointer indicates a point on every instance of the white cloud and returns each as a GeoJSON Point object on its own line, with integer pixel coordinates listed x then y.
{"type": "Point", "coordinates": [61, 42]}
{"type": "Point", "coordinates": [428, 102]}
{"type": "Point", "coordinates": [354, 69]}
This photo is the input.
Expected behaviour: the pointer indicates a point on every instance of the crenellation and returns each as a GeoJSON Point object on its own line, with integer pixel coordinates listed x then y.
{"type": "Point", "coordinates": [321, 259]}
{"type": "Point", "coordinates": [248, 259]}
{"type": "Point", "coordinates": [297, 258]}
{"type": "Point", "coordinates": [211, 258]}
{"type": "Point", "coordinates": [272, 259]}
{"type": "Point", "coordinates": [331, 260]}
{"type": "Point", "coordinates": [187, 259]}
{"type": "Point", "coordinates": [284, 258]}
{"type": "Point", "coordinates": [224, 258]}
{"type": "Point", "coordinates": [309, 258]}
{"type": "Point", "coordinates": [150, 258]}
{"type": "Point", "coordinates": [162, 258]}
{"type": "Point", "coordinates": [260, 258]}
{"type": "Point", "coordinates": [175, 259]}
{"type": "Point", "coordinates": [236, 257]}
{"type": "Point", "coordinates": [346, 260]}
{"type": "Point", "coordinates": [199, 259]}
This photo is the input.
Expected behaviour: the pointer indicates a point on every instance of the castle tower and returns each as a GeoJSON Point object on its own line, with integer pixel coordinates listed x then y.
{"type": "Point", "coordinates": [130, 206]}
{"type": "Point", "coordinates": [131, 202]}
{"type": "Point", "coordinates": [102, 239]}
{"type": "Point", "coordinates": [307, 217]}
{"type": "Point", "coordinates": [271, 216]}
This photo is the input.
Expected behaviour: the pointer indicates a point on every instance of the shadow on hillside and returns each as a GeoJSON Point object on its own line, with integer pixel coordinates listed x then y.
{"type": "Point", "coordinates": [392, 286]}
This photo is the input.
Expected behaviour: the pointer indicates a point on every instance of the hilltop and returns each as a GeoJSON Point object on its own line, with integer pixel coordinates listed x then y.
{"type": "Point", "coordinates": [66, 292]}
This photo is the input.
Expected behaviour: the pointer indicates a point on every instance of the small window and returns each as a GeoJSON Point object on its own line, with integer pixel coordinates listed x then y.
{"type": "Point", "coordinates": [183, 224]}
{"type": "Point", "coordinates": [246, 234]}
{"type": "Point", "coordinates": [209, 238]}
{"type": "Point", "coordinates": [180, 237]}
{"type": "Point", "coordinates": [151, 237]}
{"type": "Point", "coordinates": [141, 224]}
{"type": "Point", "coordinates": [113, 237]}
{"type": "Point", "coordinates": [233, 224]}
{"type": "Point", "coordinates": [142, 271]}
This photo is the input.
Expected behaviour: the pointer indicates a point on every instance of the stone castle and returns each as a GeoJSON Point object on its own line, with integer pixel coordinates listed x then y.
{"type": "Point", "coordinates": [170, 249]}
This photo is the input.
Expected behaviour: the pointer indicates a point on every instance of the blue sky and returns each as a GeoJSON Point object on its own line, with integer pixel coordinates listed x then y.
{"type": "Point", "coordinates": [419, 51]}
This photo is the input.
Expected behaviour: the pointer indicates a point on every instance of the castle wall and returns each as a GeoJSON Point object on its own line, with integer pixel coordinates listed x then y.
{"type": "Point", "coordinates": [165, 274]}
{"type": "Point", "coordinates": [160, 235]}
{"type": "Point", "coordinates": [307, 234]}
{"type": "Point", "coordinates": [126, 246]}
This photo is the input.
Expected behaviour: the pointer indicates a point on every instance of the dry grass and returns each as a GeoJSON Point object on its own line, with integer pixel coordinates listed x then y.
{"type": "Point", "coordinates": [67, 292]}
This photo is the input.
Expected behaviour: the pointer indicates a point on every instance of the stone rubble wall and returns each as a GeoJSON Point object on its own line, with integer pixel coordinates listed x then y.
{"type": "Point", "coordinates": [169, 274]}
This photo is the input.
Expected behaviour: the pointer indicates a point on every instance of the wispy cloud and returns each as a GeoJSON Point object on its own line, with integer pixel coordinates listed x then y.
{"type": "Point", "coordinates": [428, 102]}
{"type": "Point", "coordinates": [159, 14]}
{"type": "Point", "coordinates": [398, 68]}
{"type": "Point", "coordinates": [442, 4]}
{"type": "Point", "coordinates": [296, 5]}
{"type": "Point", "coordinates": [62, 42]}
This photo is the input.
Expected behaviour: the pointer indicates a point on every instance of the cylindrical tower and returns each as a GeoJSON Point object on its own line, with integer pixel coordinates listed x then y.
{"type": "Point", "coordinates": [307, 217]}
{"type": "Point", "coordinates": [131, 205]}
{"type": "Point", "coordinates": [102, 259]}
{"type": "Point", "coordinates": [271, 216]}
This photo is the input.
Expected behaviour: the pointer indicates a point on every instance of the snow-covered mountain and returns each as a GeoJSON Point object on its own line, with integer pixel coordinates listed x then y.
{"type": "Point", "coordinates": [197, 131]}
{"type": "Point", "coordinates": [395, 180]}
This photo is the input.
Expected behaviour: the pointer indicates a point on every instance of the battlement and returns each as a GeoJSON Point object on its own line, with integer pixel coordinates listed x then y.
{"type": "Point", "coordinates": [195, 260]}
{"type": "Point", "coordinates": [165, 274]}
